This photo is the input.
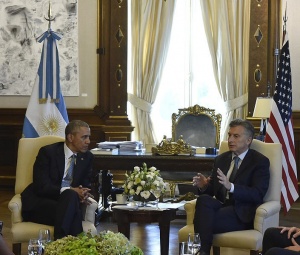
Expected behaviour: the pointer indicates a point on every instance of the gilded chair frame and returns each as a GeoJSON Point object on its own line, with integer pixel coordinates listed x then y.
{"type": "Point", "coordinates": [197, 110]}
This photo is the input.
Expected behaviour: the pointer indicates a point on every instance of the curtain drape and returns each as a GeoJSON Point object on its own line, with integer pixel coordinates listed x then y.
{"type": "Point", "coordinates": [151, 24]}
{"type": "Point", "coordinates": [227, 24]}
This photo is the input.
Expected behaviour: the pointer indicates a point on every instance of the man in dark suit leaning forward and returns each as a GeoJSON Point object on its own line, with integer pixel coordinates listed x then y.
{"type": "Point", "coordinates": [238, 183]}
{"type": "Point", "coordinates": [61, 182]}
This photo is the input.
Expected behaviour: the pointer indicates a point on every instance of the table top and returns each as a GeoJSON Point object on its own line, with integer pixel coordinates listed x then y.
{"type": "Point", "coordinates": [143, 153]}
{"type": "Point", "coordinates": [128, 160]}
{"type": "Point", "coordinates": [149, 207]}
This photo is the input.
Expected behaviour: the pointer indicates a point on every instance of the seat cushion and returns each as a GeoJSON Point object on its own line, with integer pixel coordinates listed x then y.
{"type": "Point", "coordinates": [248, 239]}
{"type": "Point", "coordinates": [23, 231]}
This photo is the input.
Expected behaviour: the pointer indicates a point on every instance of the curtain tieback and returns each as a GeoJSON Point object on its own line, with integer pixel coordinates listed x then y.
{"type": "Point", "coordinates": [139, 103]}
{"type": "Point", "coordinates": [236, 103]}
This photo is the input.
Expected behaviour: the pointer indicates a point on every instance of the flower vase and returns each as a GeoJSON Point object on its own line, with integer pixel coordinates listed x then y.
{"type": "Point", "coordinates": [143, 201]}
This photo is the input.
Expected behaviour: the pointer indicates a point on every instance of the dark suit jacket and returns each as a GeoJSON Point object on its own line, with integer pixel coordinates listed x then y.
{"type": "Point", "coordinates": [48, 171]}
{"type": "Point", "coordinates": [250, 184]}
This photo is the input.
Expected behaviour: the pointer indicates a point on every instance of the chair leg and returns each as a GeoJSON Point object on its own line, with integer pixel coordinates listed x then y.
{"type": "Point", "coordinates": [216, 250]}
{"type": "Point", "coordinates": [179, 248]}
{"type": "Point", "coordinates": [17, 248]}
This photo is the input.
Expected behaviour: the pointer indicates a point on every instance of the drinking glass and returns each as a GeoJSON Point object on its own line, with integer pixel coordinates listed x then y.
{"type": "Point", "coordinates": [44, 237]}
{"type": "Point", "coordinates": [194, 242]}
{"type": "Point", "coordinates": [34, 247]}
{"type": "Point", "coordinates": [185, 249]}
{"type": "Point", "coordinates": [156, 193]}
{"type": "Point", "coordinates": [109, 201]}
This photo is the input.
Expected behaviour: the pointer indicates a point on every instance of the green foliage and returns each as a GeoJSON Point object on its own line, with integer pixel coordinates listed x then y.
{"type": "Point", "coordinates": [105, 243]}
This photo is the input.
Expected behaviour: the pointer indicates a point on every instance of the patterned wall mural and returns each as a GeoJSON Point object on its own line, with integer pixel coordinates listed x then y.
{"type": "Point", "coordinates": [21, 22]}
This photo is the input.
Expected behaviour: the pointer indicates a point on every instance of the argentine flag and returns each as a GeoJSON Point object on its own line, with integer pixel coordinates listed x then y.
{"type": "Point", "coordinates": [46, 113]}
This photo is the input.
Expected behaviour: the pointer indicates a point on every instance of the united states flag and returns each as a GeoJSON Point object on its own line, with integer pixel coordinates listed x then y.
{"type": "Point", "coordinates": [280, 127]}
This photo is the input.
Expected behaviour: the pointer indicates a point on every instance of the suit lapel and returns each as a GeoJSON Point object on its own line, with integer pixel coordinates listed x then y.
{"type": "Point", "coordinates": [225, 167]}
{"type": "Point", "coordinates": [220, 191]}
{"type": "Point", "coordinates": [227, 163]}
{"type": "Point", "coordinates": [80, 161]}
{"type": "Point", "coordinates": [60, 159]}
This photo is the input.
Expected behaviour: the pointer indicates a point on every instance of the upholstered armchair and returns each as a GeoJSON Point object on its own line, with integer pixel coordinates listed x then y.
{"type": "Point", "coordinates": [23, 231]}
{"type": "Point", "coordinates": [267, 214]}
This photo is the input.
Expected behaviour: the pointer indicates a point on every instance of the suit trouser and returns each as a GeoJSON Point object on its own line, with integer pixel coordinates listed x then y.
{"type": "Point", "coordinates": [280, 251]}
{"type": "Point", "coordinates": [213, 217]}
{"type": "Point", "coordinates": [273, 238]}
{"type": "Point", "coordinates": [64, 214]}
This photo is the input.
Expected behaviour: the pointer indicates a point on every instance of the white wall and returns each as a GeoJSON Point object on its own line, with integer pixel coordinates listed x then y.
{"type": "Point", "coordinates": [293, 29]}
{"type": "Point", "coordinates": [87, 43]}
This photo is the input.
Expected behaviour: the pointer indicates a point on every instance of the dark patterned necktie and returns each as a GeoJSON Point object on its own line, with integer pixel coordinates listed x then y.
{"type": "Point", "coordinates": [235, 168]}
{"type": "Point", "coordinates": [66, 182]}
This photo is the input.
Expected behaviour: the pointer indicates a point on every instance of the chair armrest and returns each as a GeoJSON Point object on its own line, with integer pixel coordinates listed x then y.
{"type": "Point", "coordinates": [267, 215]}
{"type": "Point", "coordinates": [15, 206]}
{"type": "Point", "coordinates": [89, 211]}
{"type": "Point", "coordinates": [190, 208]}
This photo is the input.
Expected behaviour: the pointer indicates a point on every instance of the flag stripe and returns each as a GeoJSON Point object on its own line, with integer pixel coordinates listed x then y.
{"type": "Point", "coordinates": [44, 70]}
{"type": "Point", "coordinates": [280, 128]}
{"type": "Point", "coordinates": [29, 130]}
{"type": "Point", "coordinates": [49, 117]}
{"type": "Point", "coordinates": [279, 134]}
{"type": "Point", "coordinates": [54, 87]}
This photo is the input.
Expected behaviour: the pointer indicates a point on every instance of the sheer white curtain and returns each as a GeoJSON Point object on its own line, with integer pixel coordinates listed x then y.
{"type": "Point", "coordinates": [188, 77]}
{"type": "Point", "coordinates": [206, 64]}
{"type": "Point", "coordinates": [227, 24]}
{"type": "Point", "coordinates": [150, 27]}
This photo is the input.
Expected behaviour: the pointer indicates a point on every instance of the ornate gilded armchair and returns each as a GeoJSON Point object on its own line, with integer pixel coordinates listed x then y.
{"type": "Point", "coordinates": [198, 125]}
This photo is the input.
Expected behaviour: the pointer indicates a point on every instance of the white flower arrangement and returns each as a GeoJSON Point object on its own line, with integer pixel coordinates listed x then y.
{"type": "Point", "coordinates": [142, 181]}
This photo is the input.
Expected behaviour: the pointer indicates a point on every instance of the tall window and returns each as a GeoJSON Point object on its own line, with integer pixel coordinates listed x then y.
{"type": "Point", "coordinates": [188, 74]}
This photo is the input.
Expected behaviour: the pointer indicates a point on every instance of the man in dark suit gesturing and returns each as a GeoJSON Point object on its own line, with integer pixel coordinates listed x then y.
{"type": "Point", "coordinates": [239, 181]}
{"type": "Point", "coordinates": [61, 182]}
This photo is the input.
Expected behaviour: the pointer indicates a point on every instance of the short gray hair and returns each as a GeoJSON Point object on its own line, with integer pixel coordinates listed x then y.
{"type": "Point", "coordinates": [244, 123]}
{"type": "Point", "coordinates": [74, 126]}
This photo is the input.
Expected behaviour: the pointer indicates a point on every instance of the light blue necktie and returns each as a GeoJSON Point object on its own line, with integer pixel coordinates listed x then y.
{"type": "Point", "coordinates": [235, 168]}
{"type": "Point", "coordinates": [66, 182]}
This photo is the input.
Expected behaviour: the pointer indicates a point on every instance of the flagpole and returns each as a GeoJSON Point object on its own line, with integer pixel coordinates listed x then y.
{"type": "Point", "coordinates": [284, 22]}
{"type": "Point", "coordinates": [277, 42]}
{"type": "Point", "coordinates": [50, 18]}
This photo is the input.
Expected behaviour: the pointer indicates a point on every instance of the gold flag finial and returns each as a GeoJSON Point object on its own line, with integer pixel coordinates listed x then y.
{"type": "Point", "coordinates": [50, 18]}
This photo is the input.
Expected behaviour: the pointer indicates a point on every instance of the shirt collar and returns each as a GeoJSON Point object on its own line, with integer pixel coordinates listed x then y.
{"type": "Point", "coordinates": [241, 156]}
{"type": "Point", "coordinates": [67, 151]}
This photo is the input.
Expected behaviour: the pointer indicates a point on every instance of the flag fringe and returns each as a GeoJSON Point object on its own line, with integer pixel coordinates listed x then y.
{"type": "Point", "coordinates": [43, 100]}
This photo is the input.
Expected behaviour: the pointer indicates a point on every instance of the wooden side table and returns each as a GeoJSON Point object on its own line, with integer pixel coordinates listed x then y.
{"type": "Point", "coordinates": [124, 216]}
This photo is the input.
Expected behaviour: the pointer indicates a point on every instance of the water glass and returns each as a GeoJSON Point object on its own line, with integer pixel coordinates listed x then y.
{"type": "Point", "coordinates": [194, 242]}
{"type": "Point", "coordinates": [157, 193]}
{"type": "Point", "coordinates": [44, 237]}
{"type": "Point", "coordinates": [34, 247]}
{"type": "Point", "coordinates": [109, 201]}
{"type": "Point", "coordinates": [185, 249]}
